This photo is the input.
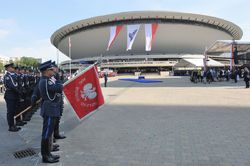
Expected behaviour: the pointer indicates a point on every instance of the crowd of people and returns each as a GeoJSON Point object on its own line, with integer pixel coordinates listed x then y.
{"type": "Point", "coordinates": [24, 88]}
{"type": "Point", "coordinates": [220, 74]}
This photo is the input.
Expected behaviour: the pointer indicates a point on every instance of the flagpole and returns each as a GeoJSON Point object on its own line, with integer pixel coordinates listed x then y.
{"type": "Point", "coordinates": [231, 59]}
{"type": "Point", "coordinates": [57, 58]}
{"type": "Point", "coordinates": [70, 58]}
{"type": "Point", "coordinates": [101, 60]}
{"type": "Point", "coordinates": [70, 62]}
{"type": "Point", "coordinates": [205, 60]}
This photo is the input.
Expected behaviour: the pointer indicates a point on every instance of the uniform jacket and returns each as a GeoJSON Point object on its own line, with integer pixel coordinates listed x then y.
{"type": "Point", "coordinates": [11, 85]}
{"type": "Point", "coordinates": [50, 100]}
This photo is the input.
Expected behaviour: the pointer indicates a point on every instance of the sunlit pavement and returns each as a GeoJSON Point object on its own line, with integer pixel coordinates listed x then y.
{"type": "Point", "coordinates": [172, 123]}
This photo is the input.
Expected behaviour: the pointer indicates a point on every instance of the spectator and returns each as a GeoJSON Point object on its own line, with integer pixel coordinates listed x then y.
{"type": "Point", "coordinates": [105, 79]}
{"type": "Point", "coordinates": [246, 76]}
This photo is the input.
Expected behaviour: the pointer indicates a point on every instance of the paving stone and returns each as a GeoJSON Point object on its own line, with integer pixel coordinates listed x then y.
{"type": "Point", "coordinates": [173, 123]}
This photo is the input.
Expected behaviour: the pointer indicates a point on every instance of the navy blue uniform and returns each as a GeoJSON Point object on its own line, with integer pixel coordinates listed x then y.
{"type": "Point", "coordinates": [105, 79]}
{"type": "Point", "coordinates": [11, 96]}
{"type": "Point", "coordinates": [21, 85]}
{"type": "Point", "coordinates": [57, 121]}
{"type": "Point", "coordinates": [36, 93]}
{"type": "Point", "coordinates": [37, 79]}
{"type": "Point", "coordinates": [246, 77]}
{"type": "Point", "coordinates": [50, 108]}
{"type": "Point", "coordinates": [59, 81]}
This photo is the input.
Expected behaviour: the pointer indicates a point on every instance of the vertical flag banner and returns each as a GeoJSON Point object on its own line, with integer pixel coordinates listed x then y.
{"type": "Point", "coordinates": [84, 92]}
{"type": "Point", "coordinates": [150, 30]}
{"type": "Point", "coordinates": [114, 31]}
{"type": "Point", "coordinates": [132, 31]}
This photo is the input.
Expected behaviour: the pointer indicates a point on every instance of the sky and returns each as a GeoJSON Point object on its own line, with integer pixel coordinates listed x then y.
{"type": "Point", "coordinates": [27, 25]}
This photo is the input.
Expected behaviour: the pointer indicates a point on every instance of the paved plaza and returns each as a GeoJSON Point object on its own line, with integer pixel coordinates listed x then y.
{"type": "Point", "coordinates": [172, 123]}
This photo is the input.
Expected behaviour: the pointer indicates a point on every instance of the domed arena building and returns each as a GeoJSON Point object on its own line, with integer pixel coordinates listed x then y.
{"type": "Point", "coordinates": [177, 34]}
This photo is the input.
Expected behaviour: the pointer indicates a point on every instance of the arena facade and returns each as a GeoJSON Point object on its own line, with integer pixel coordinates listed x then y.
{"type": "Point", "coordinates": [177, 34]}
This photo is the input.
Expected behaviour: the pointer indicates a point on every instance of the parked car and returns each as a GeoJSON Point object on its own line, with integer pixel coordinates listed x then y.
{"type": "Point", "coordinates": [111, 73]}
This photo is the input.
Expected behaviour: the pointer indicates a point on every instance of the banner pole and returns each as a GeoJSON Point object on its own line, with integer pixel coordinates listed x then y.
{"type": "Point", "coordinates": [70, 58]}
{"type": "Point", "coordinates": [57, 58]}
{"type": "Point", "coordinates": [232, 55]}
{"type": "Point", "coordinates": [205, 60]}
{"type": "Point", "coordinates": [231, 59]}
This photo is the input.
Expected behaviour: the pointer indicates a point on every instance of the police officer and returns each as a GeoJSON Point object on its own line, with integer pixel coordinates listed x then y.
{"type": "Point", "coordinates": [56, 77]}
{"type": "Point", "coordinates": [11, 95]}
{"type": "Point", "coordinates": [105, 79]}
{"type": "Point", "coordinates": [49, 109]}
{"type": "Point", "coordinates": [35, 94]}
{"type": "Point", "coordinates": [20, 106]}
{"type": "Point", "coordinates": [30, 87]}
{"type": "Point", "coordinates": [23, 85]}
{"type": "Point", "coordinates": [246, 76]}
{"type": "Point", "coordinates": [37, 77]}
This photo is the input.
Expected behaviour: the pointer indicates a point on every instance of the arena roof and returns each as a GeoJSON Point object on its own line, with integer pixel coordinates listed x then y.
{"type": "Point", "coordinates": [98, 27]}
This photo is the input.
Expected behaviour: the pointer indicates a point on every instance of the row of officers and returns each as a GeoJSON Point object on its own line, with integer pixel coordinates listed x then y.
{"type": "Point", "coordinates": [24, 90]}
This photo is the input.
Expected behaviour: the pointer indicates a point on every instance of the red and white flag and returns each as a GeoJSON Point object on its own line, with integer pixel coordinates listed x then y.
{"type": "Point", "coordinates": [132, 31]}
{"type": "Point", "coordinates": [114, 31]}
{"type": "Point", "coordinates": [84, 92]}
{"type": "Point", "coordinates": [150, 30]}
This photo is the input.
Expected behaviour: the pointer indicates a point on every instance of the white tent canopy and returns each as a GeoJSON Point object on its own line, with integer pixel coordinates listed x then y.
{"type": "Point", "coordinates": [222, 46]}
{"type": "Point", "coordinates": [196, 61]}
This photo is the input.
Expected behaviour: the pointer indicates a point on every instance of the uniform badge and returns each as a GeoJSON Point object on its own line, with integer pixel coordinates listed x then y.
{"type": "Point", "coordinates": [7, 78]}
{"type": "Point", "coordinates": [50, 83]}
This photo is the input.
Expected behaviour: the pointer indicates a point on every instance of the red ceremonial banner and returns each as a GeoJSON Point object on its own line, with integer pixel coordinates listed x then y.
{"type": "Point", "coordinates": [84, 92]}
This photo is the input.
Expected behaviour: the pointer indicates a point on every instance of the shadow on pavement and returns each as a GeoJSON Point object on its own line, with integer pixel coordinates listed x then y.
{"type": "Point", "coordinates": [171, 82]}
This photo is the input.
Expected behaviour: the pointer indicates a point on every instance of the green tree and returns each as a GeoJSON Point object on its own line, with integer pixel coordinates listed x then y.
{"type": "Point", "coordinates": [1, 67]}
{"type": "Point", "coordinates": [27, 61]}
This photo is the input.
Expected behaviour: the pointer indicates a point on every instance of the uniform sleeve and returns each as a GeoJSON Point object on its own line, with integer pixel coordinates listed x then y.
{"type": "Point", "coordinates": [54, 86]}
{"type": "Point", "coordinates": [8, 83]}
{"type": "Point", "coordinates": [36, 92]}
{"type": "Point", "coordinates": [35, 95]}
